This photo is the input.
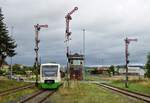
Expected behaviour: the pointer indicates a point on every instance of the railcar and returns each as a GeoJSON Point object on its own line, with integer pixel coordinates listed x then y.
{"type": "Point", "coordinates": [50, 77]}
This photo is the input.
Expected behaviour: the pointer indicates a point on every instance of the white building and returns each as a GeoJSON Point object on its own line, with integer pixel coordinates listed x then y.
{"type": "Point", "coordinates": [133, 70]}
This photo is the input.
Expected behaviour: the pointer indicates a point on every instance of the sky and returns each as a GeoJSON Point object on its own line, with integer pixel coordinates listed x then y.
{"type": "Point", "coordinates": [106, 22]}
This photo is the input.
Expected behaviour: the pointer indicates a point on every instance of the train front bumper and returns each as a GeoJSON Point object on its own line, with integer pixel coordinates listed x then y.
{"type": "Point", "coordinates": [49, 85]}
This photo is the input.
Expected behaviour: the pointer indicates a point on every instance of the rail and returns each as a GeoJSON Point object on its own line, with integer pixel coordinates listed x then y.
{"type": "Point", "coordinates": [16, 89]}
{"type": "Point", "coordinates": [136, 95]}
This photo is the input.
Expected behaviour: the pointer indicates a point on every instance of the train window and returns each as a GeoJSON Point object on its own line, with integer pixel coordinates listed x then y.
{"type": "Point", "coordinates": [76, 62]}
{"type": "Point", "coordinates": [49, 71]}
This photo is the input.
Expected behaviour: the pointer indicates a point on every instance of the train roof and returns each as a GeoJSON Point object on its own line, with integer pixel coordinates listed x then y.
{"type": "Point", "coordinates": [50, 64]}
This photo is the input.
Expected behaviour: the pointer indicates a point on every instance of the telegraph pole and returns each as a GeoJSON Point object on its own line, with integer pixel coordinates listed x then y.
{"type": "Point", "coordinates": [101, 61]}
{"type": "Point", "coordinates": [127, 42]}
{"type": "Point", "coordinates": [11, 70]}
{"type": "Point", "coordinates": [84, 53]}
{"type": "Point", "coordinates": [37, 41]}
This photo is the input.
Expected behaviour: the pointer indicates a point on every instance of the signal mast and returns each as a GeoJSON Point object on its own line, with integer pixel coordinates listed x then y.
{"type": "Point", "coordinates": [67, 35]}
{"type": "Point", "coordinates": [127, 42]}
{"type": "Point", "coordinates": [37, 41]}
{"type": "Point", "coordinates": [68, 32]}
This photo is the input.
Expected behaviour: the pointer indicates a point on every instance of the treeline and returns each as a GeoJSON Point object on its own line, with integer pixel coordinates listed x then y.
{"type": "Point", "coordinates": [106, 70]}
{"type": "Point", "coordinates": [17, 69]}
{"type": "Point", "coordinates": [21, 70]}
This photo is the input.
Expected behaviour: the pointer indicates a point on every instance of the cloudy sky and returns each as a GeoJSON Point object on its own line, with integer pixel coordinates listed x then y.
{"type": "Point", "coordinates": [107, 23]}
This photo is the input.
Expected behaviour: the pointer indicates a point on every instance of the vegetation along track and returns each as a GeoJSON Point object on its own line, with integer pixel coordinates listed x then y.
{"type": "Point", "coordinates": [16, 89]}
{"type": "Point", "coordinates": [36, 96]}
{"type": "Point", "coordinates": [136, 95]}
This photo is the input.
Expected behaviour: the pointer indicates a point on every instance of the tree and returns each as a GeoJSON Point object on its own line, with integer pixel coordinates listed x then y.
{"type": "Point", "coordinates": [1, 72]}
{"type": "Point", "coordinates": [111, 70]}
{"type": "Point", "coordinates": [147, 66]}
{"type": "Point", "coordinates": [17, 69]}
{"type": "Point", "coordinates": [7, 44]}
{"type": "Point", "coordinates": [117, 69]}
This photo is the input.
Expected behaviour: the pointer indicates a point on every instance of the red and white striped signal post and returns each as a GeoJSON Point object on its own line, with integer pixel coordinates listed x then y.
{"type": "Point", "coordinates": [36, 64]}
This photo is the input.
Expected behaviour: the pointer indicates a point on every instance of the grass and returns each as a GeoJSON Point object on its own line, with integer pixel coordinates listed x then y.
{"type": "Point", "coordinates": [136, 84]}
{"type": "Point", "coordinates": [88, 93]}
{"type": "Point", "coordinates": [91, 77]}
{"type": "Point", "coordinates": [95, 77]}
{"type": "Point", "coordinates": [7, 84]}
{"type": "Point", "coordinates": [18, 96]}
{"type": "Point", "coordinates": [15, 97]}
{"type": "Point", "coordinates": [141, 86]}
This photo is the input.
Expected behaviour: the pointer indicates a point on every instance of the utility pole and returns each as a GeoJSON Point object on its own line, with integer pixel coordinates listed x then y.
{"type": "Point", "coordinates": [127, 42]}
{"type": "Point", "coordinates": [11, 70]}
{"type": "Point", "coordinates": [102, 61]}
{"type": "Point", "coordinates": [67, 38]}
{"type": "Point", "coordinates": [37, 41]}
{"type": "Point", "coordinates": [84, 53]}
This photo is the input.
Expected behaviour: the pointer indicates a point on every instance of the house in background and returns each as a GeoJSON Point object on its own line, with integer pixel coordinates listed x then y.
{"type": "Point", "coordinates": [100, 70]}
{"type": "Point", "coordinates": [133, 70]}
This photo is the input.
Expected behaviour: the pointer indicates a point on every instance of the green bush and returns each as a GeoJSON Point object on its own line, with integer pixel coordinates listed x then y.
{"type": "Point", "coordinates": [1, 72]}
{"type": "Point", "coordinates": [147, 66]}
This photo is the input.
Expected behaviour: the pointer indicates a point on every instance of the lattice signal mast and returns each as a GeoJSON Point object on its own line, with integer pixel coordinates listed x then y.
{"type": "Point", "coordinates": [67, 37]}
{"type": "Point", "coordinates": [37, 41]}
{"type": "Point", "coordinates": [68, 32]}
{"type": "Point", "coordinates": [127, 42]}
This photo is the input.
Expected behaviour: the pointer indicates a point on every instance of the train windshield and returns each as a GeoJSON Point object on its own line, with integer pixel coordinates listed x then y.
{"type": "Point", "coordinates": [48, 71]}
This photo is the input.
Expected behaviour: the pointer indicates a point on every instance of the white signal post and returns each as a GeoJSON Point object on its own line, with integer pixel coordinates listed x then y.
{"type": "Point", "coordinates": [84, 53]}
{"type": "Point", "coordinates": [36, 64]}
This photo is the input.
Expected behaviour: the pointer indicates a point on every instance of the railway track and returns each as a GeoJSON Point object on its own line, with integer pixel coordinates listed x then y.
{"type": "Point", "coordinates": [16, 89]}
{"type": "Point", "coordinates": [136, 95]}
{"type": "Point", "coordinates": [39, 96]}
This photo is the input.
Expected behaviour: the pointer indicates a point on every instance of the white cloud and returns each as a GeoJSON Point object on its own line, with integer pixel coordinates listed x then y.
{"type": "Point", "coordinates": [107, 23]}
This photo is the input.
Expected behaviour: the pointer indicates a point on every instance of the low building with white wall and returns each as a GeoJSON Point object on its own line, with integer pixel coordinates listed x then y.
{"type": "Point", "coordinates": [133, 70]}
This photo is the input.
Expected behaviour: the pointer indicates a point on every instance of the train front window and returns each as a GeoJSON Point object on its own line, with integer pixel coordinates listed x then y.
{"type": "Point", "coordinates": [48, 71]}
